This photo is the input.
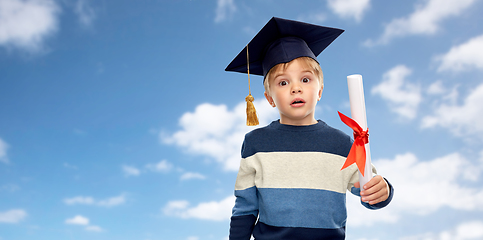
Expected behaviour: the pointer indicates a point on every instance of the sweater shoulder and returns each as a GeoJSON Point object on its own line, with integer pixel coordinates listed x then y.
{"type": "Point", "coordinates": [285, 138]}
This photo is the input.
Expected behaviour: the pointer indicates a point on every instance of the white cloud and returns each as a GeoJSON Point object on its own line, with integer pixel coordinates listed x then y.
{"type": "Point", "coordinates": [430, 180]}
{"type": "Point", "coordinates": [216, 132]}
{"type": "Point", "coordinates": [442, 94]}
{"type": "Point", "coordinates": [67, 165]}
{"type": "Point", "coordinates": [85, 13]}
{"type": "Point", "coordinates": [359, 216]}
{"type": "Point", "coordinates": [79, 200]}
{"type": "Point", "coordinates": [25, 24]}
{"type": "Point", "coordinates": [192, 175]}
{"type": "Point", "coordinates": [466, 56]}
{"type": "Point", "coordinates": [317, 17]}
{"type": "Point", "coordinates": [459, 119]}
{"type": "Point", "coordinates": [109, 202]}
{"type": "Point", "coordinates": [130, 171]}
{"type": "Point", "coordinates": [438, 183]}
{"type": "Point", "coordinates": [347, 9]}
{"type": "Point", "coordinates": [425, 20]}
{"type": "Point", "coordinates": [224, 10]}
{"type": "Point", "coordinates": [465, 231]}
{"type": "Point", "coordinates": [174, 206]}
{"type": "Point", "coordinates": [10, 187]}
{"type": "Point", "coordinates": [436, 88]}
{"type": "Point", "coordinates": [469, 230]}
{"type": "Point", "coordinates": [94, 229]}
{"type": "Point", "coordinates": [162, 166]}
{"type": "Point", "coordinates": [12, 216]}
{"type": "Point", "coordinates": [402, 96]}
{"type": "Point", "coordinates": [78, 220]}
{"type": "Point", "coordinates": [113, 201]}
{"type": "Point", "coordinates": [3, 151]}
{"type": "Point", "coordinates": [83, 221]}
{"type": "Point", "coordinates": [215, 211]}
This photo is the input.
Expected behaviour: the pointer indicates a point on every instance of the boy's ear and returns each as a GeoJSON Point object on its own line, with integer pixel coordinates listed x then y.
{"type": "Point", "coordinates": [269, 99]}
{"type": "Point", "coordinates": [320, 92]}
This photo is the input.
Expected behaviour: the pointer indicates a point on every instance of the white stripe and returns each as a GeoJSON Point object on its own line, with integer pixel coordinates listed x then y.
{"type": "Point", "coordinates": [310, 170]}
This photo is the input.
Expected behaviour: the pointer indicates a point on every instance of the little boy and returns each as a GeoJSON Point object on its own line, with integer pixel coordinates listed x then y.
{"type": "Point", "coordinates": [290, 177]}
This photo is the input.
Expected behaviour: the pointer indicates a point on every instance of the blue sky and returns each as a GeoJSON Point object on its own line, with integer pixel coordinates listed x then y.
{"type": "Point", "coordinates": [119, 122]}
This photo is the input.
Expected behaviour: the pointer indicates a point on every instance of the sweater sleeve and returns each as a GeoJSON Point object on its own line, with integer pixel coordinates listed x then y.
{"type": "Point", "coordinates": [245, 211]}
{"type": "Point", "coordinates": [357, 191]}
{"type": "Point", "coordinates": [241, 227]}
{"type": "Point", "coordinates": [244, 214]}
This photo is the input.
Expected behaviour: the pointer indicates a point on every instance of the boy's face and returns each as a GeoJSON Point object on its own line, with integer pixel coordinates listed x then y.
{"type": "Point", "coordinates": [295, 92]}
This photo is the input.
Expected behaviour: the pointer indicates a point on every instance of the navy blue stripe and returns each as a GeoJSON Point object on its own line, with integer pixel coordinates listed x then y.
{"type": "Point", "coordinates": [241, 227]}
{"type": "Point", "coordinates": [266, 232]}
{"type": "Point", "coordinates": [309, 208]}
{"type": "Point", "coordinates": [314, 138]}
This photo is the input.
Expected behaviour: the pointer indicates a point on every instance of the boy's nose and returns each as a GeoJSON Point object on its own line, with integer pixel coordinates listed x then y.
{"type": "Point", "coordinates": [296, 89]}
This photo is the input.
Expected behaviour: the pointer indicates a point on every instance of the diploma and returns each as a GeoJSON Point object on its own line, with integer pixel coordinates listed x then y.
{"type": "Point", "coordinates": [360, 152]}
{"type": "Point", "coordinates": [358, 114]}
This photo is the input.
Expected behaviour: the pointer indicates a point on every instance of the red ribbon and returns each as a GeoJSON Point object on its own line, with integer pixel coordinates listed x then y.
{"type": "Point", "coordinates": [357, 153]}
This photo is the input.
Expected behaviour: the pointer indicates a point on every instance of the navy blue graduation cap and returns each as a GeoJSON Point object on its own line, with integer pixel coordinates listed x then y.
{"type": "Point", "coordinates": [280, 41]}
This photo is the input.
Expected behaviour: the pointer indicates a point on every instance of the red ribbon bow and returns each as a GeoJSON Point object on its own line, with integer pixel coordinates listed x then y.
{"type": "Point", "coordinates": [357, 153]}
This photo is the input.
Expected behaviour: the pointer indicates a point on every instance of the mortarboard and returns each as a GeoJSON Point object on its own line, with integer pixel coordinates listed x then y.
{"type": "Point", "coordinates": [280, 41]}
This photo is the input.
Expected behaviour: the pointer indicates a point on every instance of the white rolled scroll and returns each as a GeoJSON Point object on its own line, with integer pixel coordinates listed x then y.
{"type": "Point", "coordinates": [358, 114]}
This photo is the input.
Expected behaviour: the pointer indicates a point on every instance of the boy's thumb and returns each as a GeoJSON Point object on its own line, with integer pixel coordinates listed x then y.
{"type": "Point", "coordinates": [357, 185]}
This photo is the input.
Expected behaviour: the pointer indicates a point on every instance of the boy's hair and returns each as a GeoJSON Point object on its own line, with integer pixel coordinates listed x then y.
{"type": "Point", "coordinates": [309, 63]}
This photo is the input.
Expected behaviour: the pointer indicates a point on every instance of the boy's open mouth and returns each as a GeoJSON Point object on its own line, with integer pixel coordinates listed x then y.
{"type": "Point", "coordinates": [297, 102]}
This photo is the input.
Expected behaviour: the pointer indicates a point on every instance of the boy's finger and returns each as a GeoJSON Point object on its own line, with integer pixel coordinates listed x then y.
{"type": "Point", "coordinates": [357, 185]}
{"type": "Point", "coordinates": [381, 199]}
{"type": "Point", "coordinates": [373, 189]}
{"type": "Point", "coordinates": [374, 196]}
{"type": "Point", "coordinates": [375, 180]}
{"type": "Point", "coordinates": [377, 196]}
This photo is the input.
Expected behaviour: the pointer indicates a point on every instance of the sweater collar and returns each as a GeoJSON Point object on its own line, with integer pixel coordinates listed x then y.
{"type": "Point", "coordinates": [278, 126]}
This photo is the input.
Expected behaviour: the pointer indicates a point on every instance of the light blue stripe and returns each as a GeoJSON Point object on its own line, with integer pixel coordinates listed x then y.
{"type": "Point", "coordinates": [246, 202]}
{"type": "Point", "coordinates": [310, 208]}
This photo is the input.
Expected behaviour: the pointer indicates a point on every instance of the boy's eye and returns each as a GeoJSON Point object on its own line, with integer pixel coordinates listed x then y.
{"type": "Point", "coordinates": [283, 83]}
{"type": "Point", "coordinates": [305, 80]}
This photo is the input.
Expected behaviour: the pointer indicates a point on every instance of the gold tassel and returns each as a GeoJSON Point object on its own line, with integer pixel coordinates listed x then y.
{"type": "Point", "coordinates": [252, 119]}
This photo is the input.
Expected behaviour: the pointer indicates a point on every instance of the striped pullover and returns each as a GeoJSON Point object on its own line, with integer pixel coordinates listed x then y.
{"type": "Point", "coordinates": [290, 180]}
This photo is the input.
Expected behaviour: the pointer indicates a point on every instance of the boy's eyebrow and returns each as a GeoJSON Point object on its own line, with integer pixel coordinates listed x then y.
{"type": "Point", "coordinates": [308, 71]}
{"type": "Point", "coordinates": [280, 73]}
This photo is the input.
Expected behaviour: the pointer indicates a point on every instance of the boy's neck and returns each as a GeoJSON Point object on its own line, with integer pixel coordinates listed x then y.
{"type": "Point", "coordinates": [298, 123]}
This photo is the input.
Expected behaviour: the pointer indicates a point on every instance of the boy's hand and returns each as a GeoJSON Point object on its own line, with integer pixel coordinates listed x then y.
{"type": "Point", "coordinates": [375, 191]}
